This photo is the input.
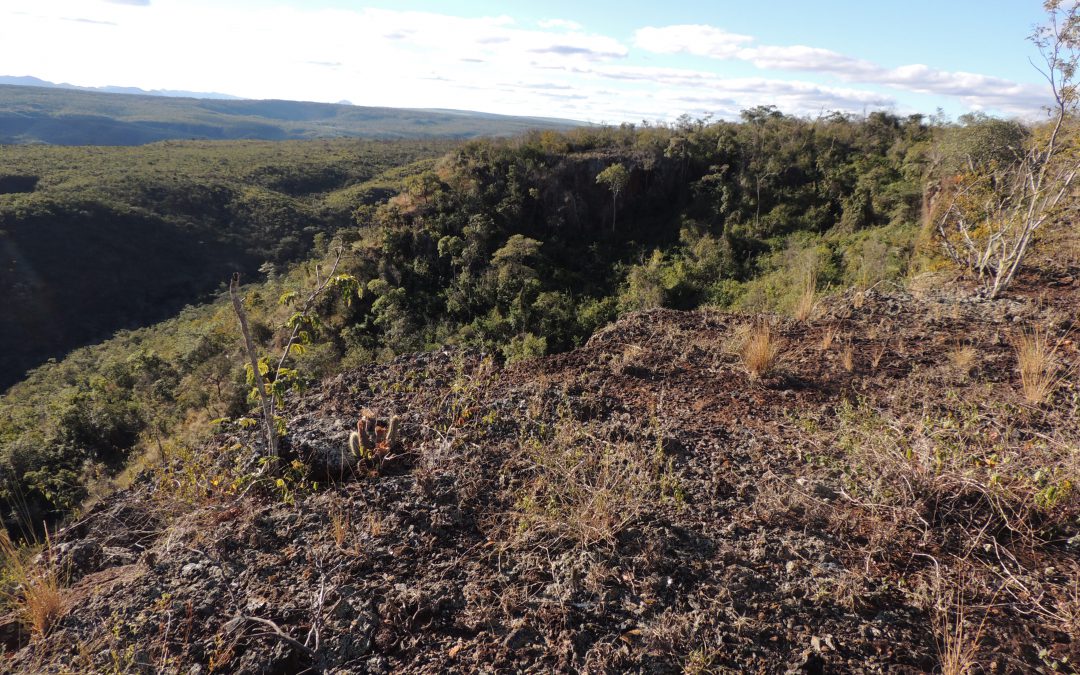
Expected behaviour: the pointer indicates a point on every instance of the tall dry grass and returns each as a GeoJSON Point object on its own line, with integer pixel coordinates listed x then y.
{"type": "Point", "coordinates": [761, 351]}
{"type": "Point", "coordinates": [847, 358]}
{"type": "Point", "coordinates": [339, 526]}
{"type": "Point", "coordinates": [828, 337]}
{"type": "Point", "coordinates": [958, 647]}
{"type": "Point", "coordinates": [807, 302]}
{"type": "Point", "coordinates": [33, 589]}
{"type": "Point", "coordinates": [1040, 372]}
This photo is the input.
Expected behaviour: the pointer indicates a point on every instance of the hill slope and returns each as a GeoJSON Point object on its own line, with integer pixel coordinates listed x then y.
{"type": "Point", "coordinates": [69, 117]}
{"type": "Point", "coordinates": [639, 504]}
{"type": "Point", "coordinates": [94, 240]}
{"type": "Point", "coordinates": [507, 246]}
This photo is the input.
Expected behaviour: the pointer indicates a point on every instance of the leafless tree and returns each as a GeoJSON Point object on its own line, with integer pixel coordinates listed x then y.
{"type": "Point", "coordinates": [991, 215]}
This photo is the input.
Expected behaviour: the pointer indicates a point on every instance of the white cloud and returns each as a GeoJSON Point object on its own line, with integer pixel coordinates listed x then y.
{"type": "Point", "coordinates": [427, 60]}
{"type": "Point", "coordinates": [560, 23]}
{"type": "Point", "coordinates": [810, 59]}
{"type": "Point", "coordinates": [381, 57]}
{"type": "Point", "coordinates": [977, 91]}
{"type": "Point", "coordinates": [696, 39]}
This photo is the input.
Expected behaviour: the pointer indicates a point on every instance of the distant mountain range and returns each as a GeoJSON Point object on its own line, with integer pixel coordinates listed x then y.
{"type": "Point", "coordinates": [28, 81]}
{"type": "Point", "coordinates": [35, 111]}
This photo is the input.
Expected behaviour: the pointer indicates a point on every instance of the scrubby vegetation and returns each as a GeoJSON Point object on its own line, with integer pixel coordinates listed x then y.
{"type": "Point", "coordinates": [637, 504]}
{"type": "Point", "coordinates": [773, 394]}
{"type": "Point", "coordinates": [513, 246]}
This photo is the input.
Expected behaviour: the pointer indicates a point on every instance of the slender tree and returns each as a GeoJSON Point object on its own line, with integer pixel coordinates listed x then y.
{"type": "Point", "coordinates": [615, 177]}
{"type": "Point", "coordinates": [270, 382]}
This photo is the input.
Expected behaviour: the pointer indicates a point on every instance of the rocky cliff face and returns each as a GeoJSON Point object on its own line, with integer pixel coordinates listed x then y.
{"type": "Point", "coordinates": [639, 504]}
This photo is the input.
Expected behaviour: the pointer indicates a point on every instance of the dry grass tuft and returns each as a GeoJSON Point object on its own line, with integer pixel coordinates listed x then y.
{"type": "Point", "coordinates": [807, 300]}
{"type": "Point", "coordinates": [626, 362]}
{"type": "Point", "coordinates": [37, 594]}
{"type": "Point", "coordinates": [962, 359]}
{"type": "Point", "coordinates": [957, 649]}
{"type": "Point", "coordinates": [829, 337]}
{"type": "Point", "coordinates": [374, 525]}
{"type": "Point", "coordinates": [584, 490]}
{"type": "Point", "coordinates": [761, 350]}
{"type": "Point", "coordinates": [878, 355]}
{"type": "Point", "coordinates": [847, 358]}
{"type": "Point", "coordinates": [339, 526]}
{"type": "Point", "coordinates": [740, 335]}
{"type": "Point", "coordinates": [1039, 370]}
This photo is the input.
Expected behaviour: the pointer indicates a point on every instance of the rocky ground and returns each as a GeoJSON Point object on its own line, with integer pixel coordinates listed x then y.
{"type": "Point", "coordinates": [884, 500]}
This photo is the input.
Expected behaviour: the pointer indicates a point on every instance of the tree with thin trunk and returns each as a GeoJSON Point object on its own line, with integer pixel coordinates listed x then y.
{"type": "Point", "coordinates": [269, 383]}
{"type": "Point", "coordinates": [249, 348]}
{"type": "Point", "coordinates": [615, 177]}
{"type": "Point", "coordinates": [988, 216]}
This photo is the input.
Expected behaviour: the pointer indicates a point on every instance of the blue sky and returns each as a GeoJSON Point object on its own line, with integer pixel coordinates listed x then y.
{"type": "Point", "coordinates": [596, 61]}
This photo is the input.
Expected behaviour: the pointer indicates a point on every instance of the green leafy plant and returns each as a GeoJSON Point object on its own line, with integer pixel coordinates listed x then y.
{"type": "Point", "coordinates": [269, 382]}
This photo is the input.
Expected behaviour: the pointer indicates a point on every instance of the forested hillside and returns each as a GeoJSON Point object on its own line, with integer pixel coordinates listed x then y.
{"type": "Point", "coordinates": [69, 117]}
{"type": "Point", "coordinates": [519, 247]}
{"type": "Point", "coordinates": [93, 239]}
{"type": "Point", "coordinates": [695, 490]}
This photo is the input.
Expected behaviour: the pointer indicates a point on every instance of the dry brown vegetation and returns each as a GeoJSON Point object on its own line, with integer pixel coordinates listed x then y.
{"type": "Point", "coordinates": [1040, 372]}
{"type": "Point", "coordinates": [847, 358]}
{"type": "Point", "coordinates": [807, 302]}
{"type": "Point", "coordinates": [962, 359]}
{"type": "Point", "coordinates": [33, 589]}
{"type": "Point", "coordinates": [582, 488]}
{"type": "Point", "coordinates": [339, 526]}
{"type": "Point", "coordinates": [828, 337]}
{"type": "Point", "coordinates": [760, 350]}
{"type": "Point", "coordinates": [957, 646]}
{"type": "Point", "coordinates": [878, 354]}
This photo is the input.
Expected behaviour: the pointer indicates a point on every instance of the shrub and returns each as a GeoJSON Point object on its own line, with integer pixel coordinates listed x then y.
{"type": "Point", "coordinates": [522, 347]}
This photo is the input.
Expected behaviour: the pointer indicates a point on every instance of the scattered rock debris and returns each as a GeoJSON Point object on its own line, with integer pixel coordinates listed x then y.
{"type": "Point", "coordinates": [735, 542]}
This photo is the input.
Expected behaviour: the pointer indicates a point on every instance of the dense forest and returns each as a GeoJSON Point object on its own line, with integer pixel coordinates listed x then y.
{"type": "Point", "coordinates": [93, 240]}
{"type": "Point", "coordinates": [519, 247]}
{"type": "Point", "coordinates": [70, 117]}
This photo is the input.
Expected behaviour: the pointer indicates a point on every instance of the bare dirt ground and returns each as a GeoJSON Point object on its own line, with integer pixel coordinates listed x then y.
{"type": "Point", "coordinates": [883, 500]}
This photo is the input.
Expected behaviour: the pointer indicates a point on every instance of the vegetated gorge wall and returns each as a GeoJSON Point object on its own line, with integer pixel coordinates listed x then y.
{"type": "Point", "coordinates": [119, 270]}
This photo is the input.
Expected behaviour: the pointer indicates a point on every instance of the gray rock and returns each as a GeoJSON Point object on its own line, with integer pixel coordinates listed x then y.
{"type": "Point", "coordinates": [74, 560]}
{"type": "Point", "coordinates": [323, 444]}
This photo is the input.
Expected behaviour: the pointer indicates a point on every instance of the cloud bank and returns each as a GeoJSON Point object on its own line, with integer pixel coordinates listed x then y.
{"type": "Point", "coordinates": [976, 91]}
{"type": "Point", "coordinates": [553, 67]}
